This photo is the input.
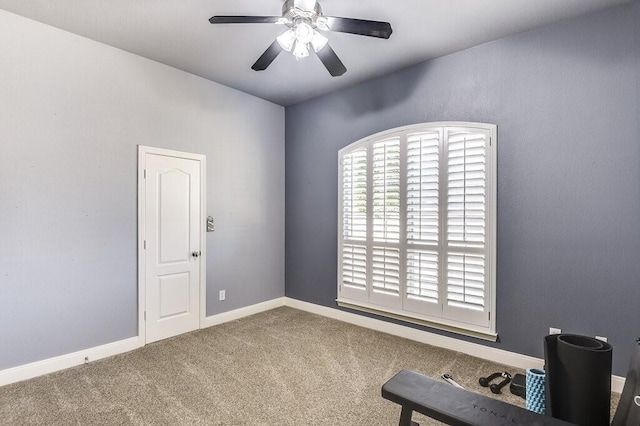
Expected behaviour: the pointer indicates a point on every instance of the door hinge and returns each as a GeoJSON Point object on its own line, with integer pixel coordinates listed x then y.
{"type": "Point", "coordinates": [144, 172]}
{"type": "Point", "coordinates": [145, 315]}
{"type": "Point", "coordinates": [489, 316]}
{"type": "Point", "coordinates": [144, 245]}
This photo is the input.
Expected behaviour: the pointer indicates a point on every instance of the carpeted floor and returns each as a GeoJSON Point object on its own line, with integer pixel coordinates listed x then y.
{"type": "Point", "coordinates": [281, 367]}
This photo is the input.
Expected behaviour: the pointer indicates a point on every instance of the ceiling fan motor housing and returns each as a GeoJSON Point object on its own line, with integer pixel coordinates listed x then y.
{"type": "Point", "coordinates": [306, 5]}
{"type": "Point", "coordinates": [308, 11]}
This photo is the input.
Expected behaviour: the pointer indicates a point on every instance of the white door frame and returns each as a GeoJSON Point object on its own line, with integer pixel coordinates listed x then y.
{"type": "Point", "coordinates": [142, 152]}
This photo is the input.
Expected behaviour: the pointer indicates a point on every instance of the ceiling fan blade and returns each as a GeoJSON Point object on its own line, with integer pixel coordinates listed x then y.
{"type": "Point", "coordinates": [267, 57]}
{"type": "Point", "coordinates": [360, 27]}
{"type": "Point", "coordinates": [244, 19]}
{"type": "Point", "coordinates": [332, 63]}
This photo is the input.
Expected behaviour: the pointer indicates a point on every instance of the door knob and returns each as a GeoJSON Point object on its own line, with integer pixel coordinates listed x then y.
{"type": "Point", "coordinates": [195, 253]}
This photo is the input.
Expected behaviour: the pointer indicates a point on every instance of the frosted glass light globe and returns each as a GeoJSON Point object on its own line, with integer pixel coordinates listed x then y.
{"type": "Point", "coordinates": [304, 32]}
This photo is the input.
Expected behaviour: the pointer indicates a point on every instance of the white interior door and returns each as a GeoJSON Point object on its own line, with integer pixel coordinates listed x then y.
{"type": "Point", "coordinates": [172, 245]}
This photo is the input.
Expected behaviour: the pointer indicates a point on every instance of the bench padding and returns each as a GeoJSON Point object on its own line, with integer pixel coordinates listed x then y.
{"type": "Point", "coordinates": [454, 406]}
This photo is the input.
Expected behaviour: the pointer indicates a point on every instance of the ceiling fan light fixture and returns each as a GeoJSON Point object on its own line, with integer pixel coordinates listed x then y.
{"type": "Point", "coordinates": [287, 39]}
{"type": "Point", "coordinates": [318, 41]}
{"type": "Point", "coordinates": [304, 32]}
{"type": "Point", "coordinates": [300, 50]}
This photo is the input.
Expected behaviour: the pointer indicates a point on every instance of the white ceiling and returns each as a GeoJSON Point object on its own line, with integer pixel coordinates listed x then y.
{"type": "Point", "coordinates": [177, 33]}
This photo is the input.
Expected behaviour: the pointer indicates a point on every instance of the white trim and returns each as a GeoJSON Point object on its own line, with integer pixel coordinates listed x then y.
{"type": "Point", "coordinates": [62, 362]}
{"type": "Point", "coordinates": [141, 255]}
{"type": "Point", "coordinates": [479, 351]}
{"type": "Point", "coordinates": [407, 316]}
{"type": "Point", "coordinates": [51, 365]}
{"type": "Point", "coordinates": [217, 319]}
{"type": "Point", "coordinates": [202, 159]}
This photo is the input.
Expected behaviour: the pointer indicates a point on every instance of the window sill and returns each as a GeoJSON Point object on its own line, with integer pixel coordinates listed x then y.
{"type": "Point", "coordinates": [373, 309]}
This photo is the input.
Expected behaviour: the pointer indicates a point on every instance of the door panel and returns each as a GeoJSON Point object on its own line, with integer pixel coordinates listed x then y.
{"type": "Point", "coordinates": [174, 295]}
{"type": "Point", "coordinates": [172, 233]}
{"type": "Point", "coordinates": [173, 216]}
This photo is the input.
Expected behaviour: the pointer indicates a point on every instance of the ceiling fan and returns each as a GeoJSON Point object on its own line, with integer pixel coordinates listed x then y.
{"type": "Point", "coordinates": [304, 21]}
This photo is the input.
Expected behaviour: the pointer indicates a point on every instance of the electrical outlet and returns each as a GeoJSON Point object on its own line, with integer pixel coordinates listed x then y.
{"type": "Point", "coordinates": [554, 330]}
{"type": "Point", "coordinates": [223, 294]}
{"type": "Point", "coordinates": [603, 339]}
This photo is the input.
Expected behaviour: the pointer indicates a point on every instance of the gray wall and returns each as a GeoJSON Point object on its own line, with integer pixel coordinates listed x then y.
{"type": "Point", "coordinates": [566, 100]}
{"type": "Point", "coordinates": [72, 112]}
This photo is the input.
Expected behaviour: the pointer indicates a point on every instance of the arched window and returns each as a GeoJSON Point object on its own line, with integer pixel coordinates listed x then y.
{"type": "Point", "coordinates": [417, 225]}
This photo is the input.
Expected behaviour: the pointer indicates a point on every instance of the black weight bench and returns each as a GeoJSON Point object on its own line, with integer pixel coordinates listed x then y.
{"type": "Point", "coordinates": [454, 406]}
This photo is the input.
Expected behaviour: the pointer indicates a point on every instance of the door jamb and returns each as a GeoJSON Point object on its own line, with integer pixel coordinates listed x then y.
{"type": "Point", "coordinates": [142, 151]}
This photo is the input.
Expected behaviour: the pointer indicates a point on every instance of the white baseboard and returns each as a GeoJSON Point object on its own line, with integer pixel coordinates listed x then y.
{"type": "Point", "coordinates": [62, 362]}
{"type": "Point", "coordinates": [480, 351]}
{"type": "Point", "coordinates": [212, 320]}
{"type": "Point", "coordinates": [39, 368]}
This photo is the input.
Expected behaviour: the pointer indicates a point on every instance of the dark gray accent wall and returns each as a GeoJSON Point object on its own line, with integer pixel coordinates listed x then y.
{"type": "Point", "coordinates": [566, 100]}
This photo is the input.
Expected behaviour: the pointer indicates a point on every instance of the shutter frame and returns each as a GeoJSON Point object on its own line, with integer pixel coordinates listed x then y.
{"type": "Point", "coordinates": [468, 235]}
{"type": "Point", "coordinates": [460, 302]}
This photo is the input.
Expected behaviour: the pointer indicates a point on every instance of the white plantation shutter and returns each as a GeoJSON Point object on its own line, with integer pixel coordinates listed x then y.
{"type": "Point", "coordinates": [466, 286]}
{"type": "Point", "coordinates": [422, 276]}
{"type": "Point", "coordinates": [354, 195]}
{"type": "Point", "coordinates": [354, 266]}
{"type": "Point", "coordinates": [353, 255]}
{"type": "Point", "coordinates": [423, 159]}
{"type": "Point", "coordinates": [422, 294]}
{"type": "Point", "coordinates": [466, 185]}
{"type": "Point", "coordinates": [386, 271]}
{"type": "Point", "coordinates": [465, 281]}
{"type": "Point", "coordinates": [385, 254]}
{"type": "Point", "coordinates": [417, 224]}
{"type": "Point", "coordinates": [386, 191]}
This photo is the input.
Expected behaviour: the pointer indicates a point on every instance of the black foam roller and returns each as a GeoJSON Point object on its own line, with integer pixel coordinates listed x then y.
{"type": "Point", "coordinates": [628, 411]}
{"type": "Point", "coordinates": [578, 385]}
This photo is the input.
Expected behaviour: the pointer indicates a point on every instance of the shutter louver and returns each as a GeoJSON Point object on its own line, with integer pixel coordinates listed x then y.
{"type": "Point", "coordinates": [354, 266]}
{"type": "Point", "coordinates": [386, 191]}
{"type": "Point", "coordinates": [466, 201]}
{"type": "Point", "coordinates": [422, 188]}
{"type": "Point", "coordinates": [354, 195]}
{"type": "Point", "coordinates": [385, 267]}
{"type": "Point", "coordinates": [465, 281]}
{"type": "Point", "coordinates": [422, 276]}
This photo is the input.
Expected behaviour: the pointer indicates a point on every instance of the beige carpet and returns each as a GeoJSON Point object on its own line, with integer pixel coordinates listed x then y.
{"type": "Point", "coordinates": [281, 367]}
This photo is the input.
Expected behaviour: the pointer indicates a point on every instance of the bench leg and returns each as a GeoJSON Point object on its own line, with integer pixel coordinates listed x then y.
{"type": "Point", "coordinates": [405, 417]}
